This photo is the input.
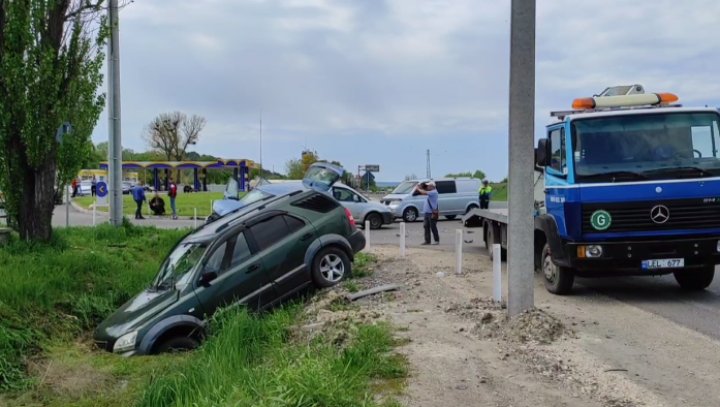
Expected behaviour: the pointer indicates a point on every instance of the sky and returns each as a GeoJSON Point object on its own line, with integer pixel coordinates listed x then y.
{"type": "Point", "coordinates": [382, 81]}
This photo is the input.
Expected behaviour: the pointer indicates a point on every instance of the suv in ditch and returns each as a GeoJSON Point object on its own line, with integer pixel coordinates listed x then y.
{"type": "Point", "coordinates": [256, 257]}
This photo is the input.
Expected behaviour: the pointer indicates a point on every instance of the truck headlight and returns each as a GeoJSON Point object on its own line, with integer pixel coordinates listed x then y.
{"type": "Point", "coordinates": [589, 251]}
{"type": "Point", "coordinates": [125, 342]}
{"type": "Point", "coordinates": [717, 246]}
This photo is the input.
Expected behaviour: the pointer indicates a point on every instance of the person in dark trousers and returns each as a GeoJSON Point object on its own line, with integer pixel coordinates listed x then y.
{"type": "Point", "coordinates": [172, 193]}
{"type": "Point", "coordinates": [74, 187]}
{"type": "Point", "coordinates": [138, 193]}
{"type": "Point", "coordinates": [485, 193]}
{"type": "Point", "coordinates": [93, 186]}
{"type": "Point", "coordinates": [430, 210]}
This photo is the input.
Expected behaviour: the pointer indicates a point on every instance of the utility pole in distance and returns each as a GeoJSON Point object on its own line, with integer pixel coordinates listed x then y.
{"type": "Point", "coordinates": [521, 157]}
{"type": "Point", "coordinates": [115, 141]}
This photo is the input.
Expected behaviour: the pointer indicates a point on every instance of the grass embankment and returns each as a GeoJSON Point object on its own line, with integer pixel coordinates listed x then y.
{"type": "Point", "coordinates": [53, 295]}
{"type": "Point", "coordinates": [186, 203]}
{"type": "Point", "coordinates": [499, 192]}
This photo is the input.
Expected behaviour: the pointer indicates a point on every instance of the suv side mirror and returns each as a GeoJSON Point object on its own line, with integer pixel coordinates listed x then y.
{"type": "Point", "coordinates": [207, 277]}
{"type": "Point", "coordinates": [542, 153]}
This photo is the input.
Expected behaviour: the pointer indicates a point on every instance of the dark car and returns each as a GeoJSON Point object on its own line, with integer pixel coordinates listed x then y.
{"type": "Point", "coordinates": [257, 257]}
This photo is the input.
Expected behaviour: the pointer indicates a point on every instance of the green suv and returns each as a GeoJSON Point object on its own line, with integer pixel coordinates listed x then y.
{"type": "Point", "coordinates": [257, 256]}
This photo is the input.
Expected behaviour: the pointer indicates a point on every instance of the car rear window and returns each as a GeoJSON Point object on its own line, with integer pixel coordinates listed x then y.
{"type": "Point", "coordinates": [316, 202]}
{"type": "Point", "coordinates": [446, 187]}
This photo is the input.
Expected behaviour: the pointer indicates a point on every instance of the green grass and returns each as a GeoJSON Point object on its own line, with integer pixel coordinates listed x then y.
{"type": "Point", "coordinates": [186, 203]}
{"type": "Point", "coordinates": [52, 293]}
{"type": "Point", "coordinates": [254, 361]}
{"type": "Point", "coordinates": [364, 265]}
{"type": "Point", "coordinates": [499, 192]}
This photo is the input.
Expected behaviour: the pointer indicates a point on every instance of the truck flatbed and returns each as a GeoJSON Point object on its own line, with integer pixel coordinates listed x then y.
{"type": "Point", "coordinates": [476, 217]}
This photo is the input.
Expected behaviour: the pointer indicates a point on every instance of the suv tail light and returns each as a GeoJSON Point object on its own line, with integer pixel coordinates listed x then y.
{"type": "Point", "coordinates": [350, 218]}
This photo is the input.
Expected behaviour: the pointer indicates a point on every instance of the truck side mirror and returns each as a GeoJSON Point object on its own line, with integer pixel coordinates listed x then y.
{"type": "Point", "coordinates": [542, 153]}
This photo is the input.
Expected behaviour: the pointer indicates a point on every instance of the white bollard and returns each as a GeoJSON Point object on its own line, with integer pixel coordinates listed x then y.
{"type": "Point", "coordinates": [212, 203]}
{"type": "Point", "coordinates": [94, 209]}
{"type": "Point", "coordinates": [458, 250]}
{"type": "Point", "coordinates": [194, 218]}
{"type": "Point", "coordinates": [367, 234]}
{"type": "Point", "coordinates": [402, 239]}
{"type": "Point", "coordinates": [497, 272]}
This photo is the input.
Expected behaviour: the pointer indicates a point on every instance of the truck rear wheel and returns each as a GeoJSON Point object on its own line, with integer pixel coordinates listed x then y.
{"type": "Point", "coordinates": [695, 280]}
{"type": "Point", "coordinates": [558, 280]}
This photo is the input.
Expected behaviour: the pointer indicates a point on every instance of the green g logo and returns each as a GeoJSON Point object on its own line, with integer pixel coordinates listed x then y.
{"type": "Point", "coordinates": [601, 220]}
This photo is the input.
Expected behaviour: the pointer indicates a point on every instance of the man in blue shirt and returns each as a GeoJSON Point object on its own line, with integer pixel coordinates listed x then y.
{"type": "Point", "coordinates": [430, 210]}
{"type": "Point", "coordinates": [138, 193]}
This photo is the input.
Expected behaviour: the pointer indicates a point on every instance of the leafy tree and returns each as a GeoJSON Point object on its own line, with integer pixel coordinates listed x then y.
{"type": "Point", "coordinates": [172, 133]}
{"type": "Point", "coordinates": [50, 71]}
{"type": "Point", "coordinates": [296, 168]}
{"type": "Point", "coordinates": [477, 174]}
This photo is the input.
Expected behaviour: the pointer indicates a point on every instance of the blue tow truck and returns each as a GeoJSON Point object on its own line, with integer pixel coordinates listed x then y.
{"type": "Point", "coordinates": [627, 183]}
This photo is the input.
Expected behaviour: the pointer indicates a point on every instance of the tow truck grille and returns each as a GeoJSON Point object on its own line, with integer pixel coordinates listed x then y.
{"type": "Point", "coordinates": [636, 216]}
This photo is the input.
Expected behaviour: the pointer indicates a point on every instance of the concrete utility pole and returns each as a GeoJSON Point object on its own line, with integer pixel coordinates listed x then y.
{"type": "Point", "coordinates": [521, 157]}
{"type": "Point", "coordinates": [115, 141]}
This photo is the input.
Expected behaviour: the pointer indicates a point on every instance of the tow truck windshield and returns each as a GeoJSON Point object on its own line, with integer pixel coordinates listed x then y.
{"type": "Point", "coordinates": [666, 145]}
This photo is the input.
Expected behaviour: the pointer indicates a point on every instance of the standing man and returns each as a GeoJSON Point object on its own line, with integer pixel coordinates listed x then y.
{"type": "Point", "coordinates": [93, 186]}
{"type": "Point", "coordinates": [172, 193]}
{"type": "Point", "coordinates": [485, 192]}
{"type": "Point", "coordinates": [74, 187]}
{"type": "Point", "coordinates": [138, 193]}
{"type": "Point", "coordinates": [431, 211]}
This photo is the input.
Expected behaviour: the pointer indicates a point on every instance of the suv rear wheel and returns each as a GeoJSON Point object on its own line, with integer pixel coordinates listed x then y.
{"type": "Point", "coordinates": [330, 266]}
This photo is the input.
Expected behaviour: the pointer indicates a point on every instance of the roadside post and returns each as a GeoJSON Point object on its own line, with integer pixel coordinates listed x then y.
{"type": "Point", "coordinates": [194, 218]}
{"type": "Point", "coordinates": [101, 195]}
{"type": "Point", "coordinates": [402, 239]}
{"type": "Point", "coordinates": [521, 155]}
{"type": "Point", "coordinates": [458, 250]}
{"type": "Point", "coordinates": [497, 272]}
{"type": "Point", "coordinates": [367, 234]}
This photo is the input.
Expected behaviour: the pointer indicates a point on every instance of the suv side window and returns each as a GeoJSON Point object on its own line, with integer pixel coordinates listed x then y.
{"type": "Point", "coordinates": [269, 231]}
{"type": "Point", "coordinates": [446, 187]}
{"type": "Point", "coordinates": [343, 195]}
{"type": "Point", "coordinates": [241, 251]}
{"type": "Point", "coordinates": [294, 224]}
{"type": "Point", "coordinates": [215, 262]}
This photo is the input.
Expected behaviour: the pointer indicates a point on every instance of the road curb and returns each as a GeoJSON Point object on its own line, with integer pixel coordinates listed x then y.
{"type": "Point", "coordinates": [79, 208]}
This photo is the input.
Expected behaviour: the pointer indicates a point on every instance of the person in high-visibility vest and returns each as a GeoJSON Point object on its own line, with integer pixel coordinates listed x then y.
{"type": "Point", "coordinates": [485, 192]}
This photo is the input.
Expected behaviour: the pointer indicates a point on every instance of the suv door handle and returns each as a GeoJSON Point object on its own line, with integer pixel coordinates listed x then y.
{"type": "Point", "coordinates": [305, 237]}
{"type": "Point", "coordinates": [252, 268]}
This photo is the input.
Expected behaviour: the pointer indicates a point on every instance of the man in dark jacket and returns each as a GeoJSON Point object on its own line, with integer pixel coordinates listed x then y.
{"type": "Point", "coordinates": [138, 193]}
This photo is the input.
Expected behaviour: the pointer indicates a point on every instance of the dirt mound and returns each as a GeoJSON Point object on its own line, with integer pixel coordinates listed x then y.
{"type": "Point", "coordinates": [491, 321]}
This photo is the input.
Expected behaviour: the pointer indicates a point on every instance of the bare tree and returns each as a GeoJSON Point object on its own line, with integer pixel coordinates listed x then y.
{"type": "Point", "coordinates": [172, 133]}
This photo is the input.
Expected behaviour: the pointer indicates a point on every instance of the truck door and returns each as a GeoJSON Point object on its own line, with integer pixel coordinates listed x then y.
{"type": "Point", "coordinates": [556, 175]}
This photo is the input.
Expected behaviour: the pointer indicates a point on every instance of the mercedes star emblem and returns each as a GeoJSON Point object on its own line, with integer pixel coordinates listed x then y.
{"type": "Point", "coordinates": [659, 214]}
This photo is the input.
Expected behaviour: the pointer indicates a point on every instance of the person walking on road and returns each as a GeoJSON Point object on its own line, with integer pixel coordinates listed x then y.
{"type": "Point", "coordinates": [485, 192]}
{"type": "Point", "coordinates": [138, 193]}
{"type": "Point", "coordinates": [430, 211]}
{"type": "Point", "coordinates": [93, 186]}
{"type": "Point", "coordinates": [74, 187]}
{"type": "Point", "coordinates": [172, 193]}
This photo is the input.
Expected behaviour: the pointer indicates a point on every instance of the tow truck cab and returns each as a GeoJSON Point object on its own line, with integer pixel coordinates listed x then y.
{"type": "Point", "coordinates": [631, 187]}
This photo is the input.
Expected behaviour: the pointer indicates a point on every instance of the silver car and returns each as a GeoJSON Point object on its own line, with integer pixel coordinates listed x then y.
{"type": "Point", "coordinates": [362, 208]}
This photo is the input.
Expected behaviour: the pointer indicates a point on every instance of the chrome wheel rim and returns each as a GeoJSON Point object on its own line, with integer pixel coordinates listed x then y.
{"type": "Point", "coordinates": [410, 215]}
{"type": "Point", "coordinates": [549, 269]}
{"type": "Point", "coordinates": [332, 268]}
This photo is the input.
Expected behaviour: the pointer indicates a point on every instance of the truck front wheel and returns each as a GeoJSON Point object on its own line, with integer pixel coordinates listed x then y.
{"type": "Point", "coordinates": [695, 280]}
{"type": "Point", "coordinates": [558, 280]}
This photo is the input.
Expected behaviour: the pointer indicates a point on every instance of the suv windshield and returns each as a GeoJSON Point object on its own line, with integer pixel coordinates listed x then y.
{"type": "Point", "coordinates": [178, 263]}
{"type": "Point", "coordinates": [254, 196]}
{"type": "Point", "coordinates": [648, 146]}
{"type": "Point", "coordinates": [405, 187]}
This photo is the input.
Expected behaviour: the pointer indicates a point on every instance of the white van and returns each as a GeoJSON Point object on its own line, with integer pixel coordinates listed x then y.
{"type": "Point", "coordinates": [455, 197]}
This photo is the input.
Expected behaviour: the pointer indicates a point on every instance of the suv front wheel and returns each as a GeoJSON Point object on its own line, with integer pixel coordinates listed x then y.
{"type": "Point", "coordinates": [330, 266]}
